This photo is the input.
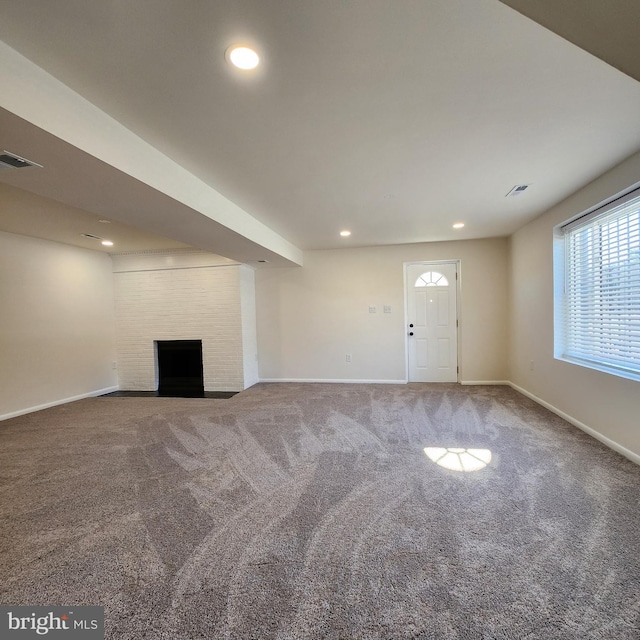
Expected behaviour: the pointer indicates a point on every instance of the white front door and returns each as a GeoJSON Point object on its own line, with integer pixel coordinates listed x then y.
{"type": "Point", "coordinates": [431, 322]}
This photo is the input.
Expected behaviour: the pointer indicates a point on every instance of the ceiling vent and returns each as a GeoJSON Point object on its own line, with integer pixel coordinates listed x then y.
{"type": "Point", "coordinates": [518, 190]}
{"type": "Point", "coordinates": [10, 160]}
{"type": "Point", "coordinates": [90, 235]}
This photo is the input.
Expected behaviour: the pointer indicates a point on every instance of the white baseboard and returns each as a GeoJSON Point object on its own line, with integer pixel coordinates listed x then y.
{"type": "Point", "coordinates": [352, 381]}
{"type": "Point", "coordinates": [55, 403]}
{"type": "Point", "coordinates": [333, 380]}
{"type": "Point", "coordinates": [612, 444]}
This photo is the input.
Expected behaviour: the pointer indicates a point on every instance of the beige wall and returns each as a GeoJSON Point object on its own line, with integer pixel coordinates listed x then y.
{"type": "Point", "coordinates": [56, 324]}
{"type": "Point", "coordinates": [248, 320]}
{"type": "Point", "coordinates": [607, 404]}
{"type": "Point", "coordinates": [309, 318]}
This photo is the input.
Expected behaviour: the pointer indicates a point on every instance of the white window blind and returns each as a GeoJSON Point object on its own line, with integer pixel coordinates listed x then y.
{"type": "Point", "coordinates": [601, 311]}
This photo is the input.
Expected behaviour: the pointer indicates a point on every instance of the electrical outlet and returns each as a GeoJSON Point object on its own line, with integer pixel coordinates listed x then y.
{"type": "Point", "coordinates": [372, 309]}
{"type": "Point", "coordinates": [348, 357]}
{"type": "Point", "coordinates": [387, 308]}
{"type": "Point", "coordinates": [531, 365]}
{"type": "Point", "coordinates": [114, 366]}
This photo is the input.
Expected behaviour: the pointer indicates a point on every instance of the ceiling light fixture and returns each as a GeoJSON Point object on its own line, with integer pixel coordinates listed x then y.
{"type": "Point", "coordinates": [242, 57]}
{"type": "Point", "coordinates": [458, 225]}
{"type": "Point", "coordinates": [345, 233]}
{"type": "Point", "coordinates": [106, 243]}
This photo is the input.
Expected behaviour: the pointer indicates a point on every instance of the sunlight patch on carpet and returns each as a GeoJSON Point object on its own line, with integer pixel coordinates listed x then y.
{"type": "Point", "coordinates": [459, 459]}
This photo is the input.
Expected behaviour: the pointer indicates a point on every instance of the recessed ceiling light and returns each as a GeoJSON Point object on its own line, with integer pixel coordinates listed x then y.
{"type": "Point", "coordinates": [107, 243]}
{"type": "Point", "coordinates": [242, 57]}
{"type": "Point", "coordinates": [105, 221]}
{"type": "Point", "coordinates": [345, 233]}
{"type": "Point", "coordinates": [458, 225]}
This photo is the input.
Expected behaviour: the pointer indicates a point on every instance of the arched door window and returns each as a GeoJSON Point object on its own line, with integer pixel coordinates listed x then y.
{"type": "Point", "coordinates": [431, 279]}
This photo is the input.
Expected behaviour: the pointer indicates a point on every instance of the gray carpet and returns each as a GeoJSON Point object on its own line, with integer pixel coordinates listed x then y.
{"type": "Point", "coordinates": [312, 511]}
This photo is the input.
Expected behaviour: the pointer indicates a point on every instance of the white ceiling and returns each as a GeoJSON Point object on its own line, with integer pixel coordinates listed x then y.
{"type": "Point", "coordinates": [29, 214]}
{"type": "Point", "coordinates": [392, 119]}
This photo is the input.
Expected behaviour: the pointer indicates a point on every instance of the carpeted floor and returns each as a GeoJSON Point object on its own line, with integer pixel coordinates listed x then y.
{"type": "Point", "coordinates": [295, 511]}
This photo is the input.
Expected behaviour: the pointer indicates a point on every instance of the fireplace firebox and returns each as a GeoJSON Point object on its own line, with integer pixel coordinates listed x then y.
{"type": "Point", "coordinates": [180, 368]}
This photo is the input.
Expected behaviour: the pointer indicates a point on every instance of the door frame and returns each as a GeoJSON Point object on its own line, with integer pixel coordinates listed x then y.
{"type": "Point", "coordinates": [458, 292]}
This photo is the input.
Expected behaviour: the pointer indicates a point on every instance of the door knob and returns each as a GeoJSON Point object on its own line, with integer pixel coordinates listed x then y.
{"type": "Point", "coordinates": [410, 333]}
{"type": "Point", "coordinates": [411, 326]}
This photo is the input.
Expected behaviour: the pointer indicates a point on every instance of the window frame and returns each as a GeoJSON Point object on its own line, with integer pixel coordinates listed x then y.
{"type": "Point", "coordinates": [612, 209]}
{"type": "Point", "coordinates": [432, 282]}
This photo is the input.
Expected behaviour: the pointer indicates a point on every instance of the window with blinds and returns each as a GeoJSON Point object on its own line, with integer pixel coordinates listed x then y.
{"type": "Point", "coordinates": [600, 310]}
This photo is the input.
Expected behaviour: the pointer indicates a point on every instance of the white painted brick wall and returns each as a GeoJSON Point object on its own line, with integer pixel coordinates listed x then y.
{"type": "Point", "coordinates": [179, 304]}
